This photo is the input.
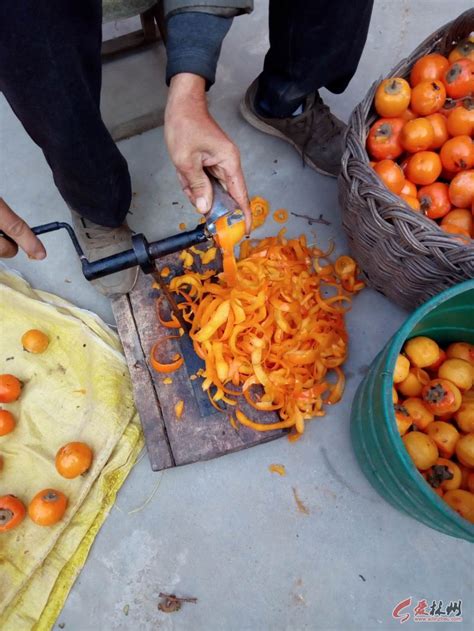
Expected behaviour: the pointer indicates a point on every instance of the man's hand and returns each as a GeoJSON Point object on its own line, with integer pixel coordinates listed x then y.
{"type": "Point", "coordinates": [195, 141]}
{"type": "Point", "coordinates": [18, 230]}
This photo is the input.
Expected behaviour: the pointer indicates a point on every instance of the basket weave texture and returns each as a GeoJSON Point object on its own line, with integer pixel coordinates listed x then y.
{"type": "Point", "coordinates": [402, 254]}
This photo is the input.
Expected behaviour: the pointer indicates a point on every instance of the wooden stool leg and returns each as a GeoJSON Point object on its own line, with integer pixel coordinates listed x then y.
{"type": "Point", "coordinates": [148, 25]}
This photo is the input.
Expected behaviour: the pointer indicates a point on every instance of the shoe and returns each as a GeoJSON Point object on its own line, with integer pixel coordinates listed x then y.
{"type": "Point", "coordinates": [99, 242]}
{"type": "Point", "coordinates": [316, 134]}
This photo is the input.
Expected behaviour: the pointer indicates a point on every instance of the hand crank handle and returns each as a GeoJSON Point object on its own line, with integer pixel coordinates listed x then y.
{"type": "Point", "coordinates": [142, 252]}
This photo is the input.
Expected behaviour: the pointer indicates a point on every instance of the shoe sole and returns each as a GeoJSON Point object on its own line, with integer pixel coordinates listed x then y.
{"type": "Point", "coordinates": [255, 121]}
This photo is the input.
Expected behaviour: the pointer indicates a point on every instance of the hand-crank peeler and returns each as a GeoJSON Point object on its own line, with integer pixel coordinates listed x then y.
{"type": "Point", "coordinates": [144, 253]}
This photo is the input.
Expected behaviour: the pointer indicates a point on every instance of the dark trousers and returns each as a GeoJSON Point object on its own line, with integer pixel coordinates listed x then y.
{"type": "Point", "coordinates": [313, 44]}
{"type": "Point", "coordinates": [50, 73]}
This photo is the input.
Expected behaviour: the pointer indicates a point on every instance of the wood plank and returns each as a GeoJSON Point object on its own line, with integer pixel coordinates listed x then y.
{"type": "Point", "coordinates": [202, 432]}
{"type": "Point", "coordinates": [159, 450]}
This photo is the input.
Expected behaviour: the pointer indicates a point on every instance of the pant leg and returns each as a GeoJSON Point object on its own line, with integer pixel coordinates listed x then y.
{"type": "Point", "coordinates": [313, 44]}
{"type": "Point", "coordinates": [50, 73]}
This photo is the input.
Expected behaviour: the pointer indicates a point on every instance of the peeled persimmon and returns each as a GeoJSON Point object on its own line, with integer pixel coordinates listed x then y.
{"type": "Point", "coordinates": [73, 459]}
{"type": "Point", "coordinates": [35, 341]}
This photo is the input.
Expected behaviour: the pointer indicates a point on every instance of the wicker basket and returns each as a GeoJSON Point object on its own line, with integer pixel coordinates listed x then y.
{"type": "Point", "coordinates": [402, 254]}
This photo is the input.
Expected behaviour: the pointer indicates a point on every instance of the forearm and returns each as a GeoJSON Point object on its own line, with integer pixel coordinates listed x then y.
{"type": "Point", "coordinates": [194, 43]}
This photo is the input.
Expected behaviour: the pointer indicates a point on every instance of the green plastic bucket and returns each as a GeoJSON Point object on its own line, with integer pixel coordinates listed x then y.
{"type": "Point", "coordinates": [448, 317]}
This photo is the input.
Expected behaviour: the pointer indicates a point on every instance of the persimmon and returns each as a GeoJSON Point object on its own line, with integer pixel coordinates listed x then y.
{"type": "Point", "coordinates": [412, 386]}
{"type": "Point", "coordinates": [440, 129]}
{"type": "Point", "coordinates": [441, 396]}
{"type": "Point", "coordinates": [465, 450]}
{"type": "Point", "coordinates": [383, 141]}
{"type": "Point", "coordinates": [462, 235]}
{"type": "Point", "coordinates": [421, 449]}
{"type": "Point", "coordinates": [460, 122]}
{"type": "Point", "coordinates": [461, 189]}
{"type": "Point", "coordinates": [411, 201]}
{"type": "Point", "coordinates": [12, 512]}
{"type": "Point", "coordinates": [458, 371]}
{"type": "Point", "coordinates": [470, 482]}
{"type": "Point", "coordinates": [459, 79]}
{"type": "Point", "coordinates": [421, 351]}
{"type": "Point", "coordinates": [463, 50]}
{"type": "Point", "coordinates": [462, 502]}
{"type": "Point", "coordinates": [392, 97]}
{"type": "Point", "coordinates": [407, 115]}
{"type": "Point", "coordinates": [35, 341]}
{"type": "Point", "coordinates": [402, 419]}
{"type": "Point", "coordinates": [73, 459]}
{"type": "Point", "coordinates": [402, 368]}
{"type": "Point", "coordinates": [47, 507]}
{"type": "Point", "coordinates": [449, 105]}
{"type": "Point", "coordinates": [421, 415]}
{"type": "Point", "coordinates": [428, 68]}
{"type": "Point", "coordinates": [417, 135]}
{"type": "Point", "coordinates": [7, 422]}
{"type": "Point", "coordinates": [434, 200]}
{"type": "Point", "coordinates": [435, 365]}
{"type": "Point", "coordinates": [446, 175]}
{"type": "Point", "coordinates": [424, 167]}
{"type": "Point", "coordinates": [428, 97]}
{"type": "Point", "coordinates": [409, 189]}
{"type": "Point", "coordinates": [457, 154]}
{"type": "Point", "coordinates": [10, 388]}
{"type": "Point", "coordinates": [464, 417]}
{"type": "Point", "coordinates": [444, 474]}
{"type": "Point", "coordinates": [461, 350]}
{"type": "Point", "coordinates": [391, 175]}
{"type": "Point", "coordinates": [460, 218]}
{"type": "Point", "coordinates": [445, 436]}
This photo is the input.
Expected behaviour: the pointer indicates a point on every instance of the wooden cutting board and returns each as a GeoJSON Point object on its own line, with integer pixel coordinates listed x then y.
{"type": "Point", "coordinates": [202, 432]}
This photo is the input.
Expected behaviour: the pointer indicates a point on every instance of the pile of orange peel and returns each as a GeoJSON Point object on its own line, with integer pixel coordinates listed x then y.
{"type": "Point", "coordinates": [270, 328]}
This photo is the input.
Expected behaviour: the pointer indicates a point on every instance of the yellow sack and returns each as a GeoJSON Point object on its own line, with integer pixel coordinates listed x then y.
{"type": "Point", "coordinates": [77, 390]}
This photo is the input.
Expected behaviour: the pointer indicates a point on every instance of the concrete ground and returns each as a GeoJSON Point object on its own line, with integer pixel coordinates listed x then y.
{"type": "Point", "coordinates": [227, 531]}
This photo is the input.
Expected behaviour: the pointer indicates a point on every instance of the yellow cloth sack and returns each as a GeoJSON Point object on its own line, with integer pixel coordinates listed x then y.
{"type": "Point", "coordinates": [77, 390]}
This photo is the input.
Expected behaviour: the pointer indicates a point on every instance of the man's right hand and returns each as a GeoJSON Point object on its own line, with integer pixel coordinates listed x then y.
{"type": "Point", "coordinates": [19, 231]}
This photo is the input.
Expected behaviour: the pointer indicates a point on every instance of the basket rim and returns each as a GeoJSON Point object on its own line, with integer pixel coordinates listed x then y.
{"type": "Point", "coordinates": [445, 241]}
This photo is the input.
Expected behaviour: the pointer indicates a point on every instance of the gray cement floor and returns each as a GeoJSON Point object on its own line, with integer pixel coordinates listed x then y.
{"type": "Point", "coordinates": [227, 531]}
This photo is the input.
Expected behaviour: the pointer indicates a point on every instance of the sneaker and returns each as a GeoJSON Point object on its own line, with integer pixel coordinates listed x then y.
{"type": "Point", "coordinates": [316, 134]}
{"type": "Point", "coordinates": [99, 242]}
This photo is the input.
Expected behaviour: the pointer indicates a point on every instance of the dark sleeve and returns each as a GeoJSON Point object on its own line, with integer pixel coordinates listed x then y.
{"type": "Point", "coordinates": [224, 8]}
{"type": "Point", "coordinates": [194, 41]}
